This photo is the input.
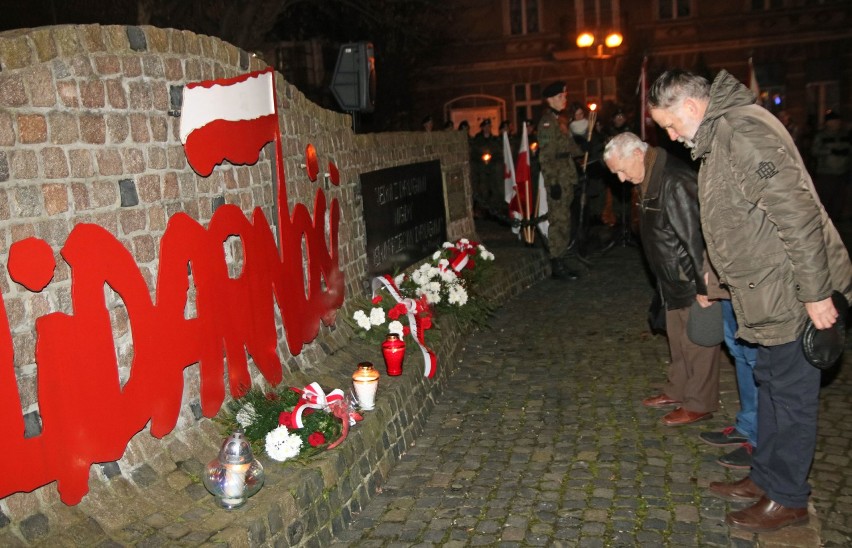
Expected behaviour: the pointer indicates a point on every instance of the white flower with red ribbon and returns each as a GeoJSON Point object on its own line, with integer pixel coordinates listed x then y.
{"type": "Point", "coordinates": [313, 397]}
{"type": "Point", "coordinates": [419, 318]}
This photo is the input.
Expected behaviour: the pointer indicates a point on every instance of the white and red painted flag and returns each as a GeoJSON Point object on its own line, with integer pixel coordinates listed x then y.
{"type": "Point", "coordinates": [229, 119]}
{"type": "Point", "coordinates": [509, 182]}
{"type": "Point", "coordinates": [521, 203]}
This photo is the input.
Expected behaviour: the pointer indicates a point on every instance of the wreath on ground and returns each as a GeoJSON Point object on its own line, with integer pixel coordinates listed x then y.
{"type": "Point", "coordinates": [290, 423]}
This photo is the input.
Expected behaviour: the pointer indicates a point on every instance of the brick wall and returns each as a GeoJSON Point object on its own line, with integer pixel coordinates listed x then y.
{"type": "Point", "coordinates": [89, 134]}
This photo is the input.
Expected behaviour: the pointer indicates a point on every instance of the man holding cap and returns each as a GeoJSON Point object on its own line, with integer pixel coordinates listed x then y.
{"type": "Point", "coordinates": [556, 156]}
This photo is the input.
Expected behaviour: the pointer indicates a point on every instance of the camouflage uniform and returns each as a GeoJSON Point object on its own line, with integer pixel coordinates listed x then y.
{"type": "Point", "coordinates": [485, 175]}
{"type": "Point", "coordinates": [556, 156]}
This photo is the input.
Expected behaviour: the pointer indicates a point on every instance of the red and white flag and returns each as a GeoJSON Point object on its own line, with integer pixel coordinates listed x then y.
{"type": "Point", "coordinates": [542, 205]}
{"type": "Point", "coordinates": [228, 119]}
{"type": "Point", "coordinates": [509, 183]}
{"type": "Point", "coordinates": [752, 80]}
{"type": "Point", "coordinates": [508, 170]}
{"type": "Point", "coordinates": [520, 203]}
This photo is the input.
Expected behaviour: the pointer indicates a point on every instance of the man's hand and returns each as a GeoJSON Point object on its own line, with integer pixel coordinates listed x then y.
{"type": "Point", "coordinates": [822, 313]}
{"type": "Point", "coordinates": [703, 301]}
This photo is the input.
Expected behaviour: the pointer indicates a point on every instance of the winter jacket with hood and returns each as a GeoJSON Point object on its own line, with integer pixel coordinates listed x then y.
{"type": "Point", "coordinates": [767, 234]}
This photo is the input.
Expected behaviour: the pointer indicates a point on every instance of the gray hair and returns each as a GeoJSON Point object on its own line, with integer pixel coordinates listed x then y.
{"type": "Point", "coordinates": [623, 145]}
{"type": "Point", "coordinates": [673, 86]}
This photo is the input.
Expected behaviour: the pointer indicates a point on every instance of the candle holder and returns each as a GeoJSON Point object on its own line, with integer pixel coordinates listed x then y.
{"type": "Point", "coordinates": [393, 351]}
{"type": "Point", "coordinates": [235, 474]}
{"type": "Point", "coordinates": [366, 382]}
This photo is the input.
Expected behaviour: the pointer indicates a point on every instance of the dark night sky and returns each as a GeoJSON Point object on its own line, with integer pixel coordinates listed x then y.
{"type": "Point", "coordinates": [38, 13]}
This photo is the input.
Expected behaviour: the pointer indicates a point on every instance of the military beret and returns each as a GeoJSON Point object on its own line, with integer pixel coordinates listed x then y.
{"type": "Point", "coordinates": [553, 89]}
{"type": "Point", "coordinates": [486, 122]}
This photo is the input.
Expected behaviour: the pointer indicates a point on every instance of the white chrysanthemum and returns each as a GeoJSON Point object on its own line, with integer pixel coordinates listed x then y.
{"type": "Point", "coordinates": [447, 245]}
{"type": "Point", "coordinates": [432, 297]}
{"type": "Point", "coordinates": [377, 316]}
{"type": "Point", "coordinates": [436, 255]}
{"type": "Point", "coordinates": [449, 276]}
{"type": "Point", "coordinates": [362, 320]}
{"type": "Point", "coordinates": [399, 279]}
{"type": "Point", "coordinates": [464, 241]}
{"type": "Point", "coordinates": [246, 415]}
{"type": "Point", "coordinates": [282, 445]}
{"type": "Point", "coordinates": [395, 327]}
{"type": "Point", "coordinates": [457, 295]}
{"type": "Point", "coordinates": [434, 272]}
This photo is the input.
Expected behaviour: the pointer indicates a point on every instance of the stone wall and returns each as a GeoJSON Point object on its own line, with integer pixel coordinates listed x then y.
{"type": "Point", "coordinates": [89, 134]}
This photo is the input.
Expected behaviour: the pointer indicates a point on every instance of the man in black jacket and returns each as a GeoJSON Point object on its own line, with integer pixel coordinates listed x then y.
{"type": "Point", "coordinates": [670, 230]}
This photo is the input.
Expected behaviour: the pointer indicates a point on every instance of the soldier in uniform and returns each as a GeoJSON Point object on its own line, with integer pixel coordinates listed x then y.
{"type": "Point", "coordinates": [556, 157]}
{"type": "Point", "coordinates": [484, 148]}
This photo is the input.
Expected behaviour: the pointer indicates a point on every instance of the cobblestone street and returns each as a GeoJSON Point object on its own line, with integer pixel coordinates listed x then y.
{"type": "Point", "coordinates": [541, 439]}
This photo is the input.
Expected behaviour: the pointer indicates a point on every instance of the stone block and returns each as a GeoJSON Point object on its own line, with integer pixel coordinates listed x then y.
{"type": "Point", "coordinates": [109, 161]}
{"type": "Point", "coordinates": [24, 164]}
{"type": "Point", "coordinates": [55, 198]}
{"type": "Point", "coordinates": [67, 41]}
{"type": "Point", "coordinates": [106, 65]}
{"type": "Point", "coordinates": [32, 128]}
{"type": "Point", "coordinates": [93, 129]}
{"type": "Point", "coordinates": [136, 38]}
{"type": "Point", "coordinates": [131, 66]}
{"type": "Point", "coordinates": [62, 127]}
{"type": "Point", "coordinates": [41, 88]}
{"type": "Point", "coordinates": [44, 47]}
{"type": "Point", "coordinates": [55, 163]}
{"type": "Point", "coordinates": [134, 160]}
{"type": "Point", "coordinates": [68, 93]}
{"type": "Point", "coordinates": [92, 94]}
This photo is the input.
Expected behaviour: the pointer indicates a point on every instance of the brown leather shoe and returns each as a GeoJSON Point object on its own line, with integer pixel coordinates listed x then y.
{"type": "Point", "coordinates": [766, 515]}
{"type": "Point", "coordinates": [660, 400]}
{"type": "Point", "coordinates": [681, 416]}
{"type": "Point", "coordinates": [744, 490]}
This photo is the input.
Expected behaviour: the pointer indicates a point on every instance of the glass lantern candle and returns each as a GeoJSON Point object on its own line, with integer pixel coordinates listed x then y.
{"type": "Point", "coordinates": [235, 474]}
{"type": "Point", "coordinates": [393, 351]}
{"type": "Point", "coordinates": [366, 382]}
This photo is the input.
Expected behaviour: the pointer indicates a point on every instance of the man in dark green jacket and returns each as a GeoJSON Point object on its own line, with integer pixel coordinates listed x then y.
{"type": "Point", "coordinates": [774, 246]}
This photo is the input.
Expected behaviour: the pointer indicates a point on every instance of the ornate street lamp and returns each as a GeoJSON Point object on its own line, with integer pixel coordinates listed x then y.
{"type": "Point", "coordinates": [612, 40]}
{"type": "Point", "coordinates": [599, 49]}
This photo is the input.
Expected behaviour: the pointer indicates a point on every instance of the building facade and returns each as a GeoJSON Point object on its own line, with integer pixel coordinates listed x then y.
{"type": "Point", "coordinates": [501, 53]}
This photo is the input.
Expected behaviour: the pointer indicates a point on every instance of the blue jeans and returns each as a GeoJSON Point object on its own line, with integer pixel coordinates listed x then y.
{"type": "Point", "coordinates": [745, 358]}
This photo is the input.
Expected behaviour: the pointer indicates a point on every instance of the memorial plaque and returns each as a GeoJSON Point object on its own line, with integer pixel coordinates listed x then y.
{"type": "Point", "coordinates": [404, 215]}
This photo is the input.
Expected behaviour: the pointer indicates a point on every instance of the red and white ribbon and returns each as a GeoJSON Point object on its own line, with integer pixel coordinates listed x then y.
{"type": "Point", "coordinates": [430, 360]}
{"type": "Point", "coordinates": [313, 397]}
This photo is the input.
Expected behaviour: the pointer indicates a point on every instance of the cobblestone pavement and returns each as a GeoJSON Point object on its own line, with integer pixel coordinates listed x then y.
{"type": "Point", "coordinates": [541, 439]}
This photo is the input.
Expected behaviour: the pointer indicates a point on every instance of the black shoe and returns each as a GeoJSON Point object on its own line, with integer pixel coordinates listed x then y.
{"type": "Point", "coordinates": [571, 275]}
{"type": "Point", "coordinates": [738, 459]}
{"type": "Point", "coordinates": [559, 272]}
{"type": "Point", "coordinates": [728, 436]}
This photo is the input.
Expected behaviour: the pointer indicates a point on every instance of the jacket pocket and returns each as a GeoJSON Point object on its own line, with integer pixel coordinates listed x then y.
{"type": "Point", "coordinates": [765, 294]}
